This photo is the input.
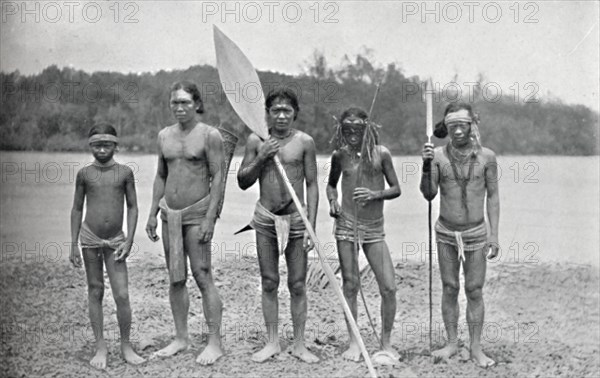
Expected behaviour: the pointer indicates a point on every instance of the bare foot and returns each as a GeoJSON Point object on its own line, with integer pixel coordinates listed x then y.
{"type": "Point", "coordinates": [481, 359]}
{"type": "Point", "coordinates": [99, 360]}
{"type": "Point", "coordinates": [446, 352]}
{"type": "Point", "coordinates": [210, 354]}
{"type": "Point", "coordinates": [176, 346]}
{"type": "Point", "coordinates": [299, 350]}
{"type": "Point", "coordinates": [130, 356]}
{"type": "Point", "coordinates": [353, 353]}
{"type": "Point", "coordinates": [267, 352]}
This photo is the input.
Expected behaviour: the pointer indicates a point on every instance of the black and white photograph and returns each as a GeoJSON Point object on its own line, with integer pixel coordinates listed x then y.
{"type": "Point", "coordinates": [309, 188]}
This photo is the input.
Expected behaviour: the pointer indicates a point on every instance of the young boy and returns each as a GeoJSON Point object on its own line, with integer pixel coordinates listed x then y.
{"type": "Point", "coordinates": [104, 184]}
{"type": "Point", "coordinates": [362, 202]}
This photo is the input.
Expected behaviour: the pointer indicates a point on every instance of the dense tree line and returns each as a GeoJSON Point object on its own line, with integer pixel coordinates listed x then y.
{"type": "Point", "coordinates": [54, 110]}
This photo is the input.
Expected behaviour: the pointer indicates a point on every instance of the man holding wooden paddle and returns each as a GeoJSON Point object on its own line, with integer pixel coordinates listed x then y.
{"type": "Point", "coordinates": [467, 177]}
{"type": "Point", "coordinates": [277, 222]}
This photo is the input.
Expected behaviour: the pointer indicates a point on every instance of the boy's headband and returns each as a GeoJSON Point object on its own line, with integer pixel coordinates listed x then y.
{"type": "Point", "coordinates": [103, 138]}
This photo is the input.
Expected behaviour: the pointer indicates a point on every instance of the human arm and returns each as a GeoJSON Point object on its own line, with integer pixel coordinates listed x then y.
{"type": "Point", "coordinates": [76, 217]}
{"type": "Point", "coordinates": [215, 157]}
{"type": "Point", "coordinates": [124, 249]}
{"type": "Point", "coordinates": [334, 177]}
{"type": "Point", "coordinates": [393, 191]}
{"type": "Point", "coordinates": [158, 191]}
{"type": "Point", "coordinates": [312, 186]}
{"type": "Point", "coordinates": [492, 204]}
{"type": "Point", "coordinates": [430, 174]}
{"type": "Point", "coordinates": [255, 155]}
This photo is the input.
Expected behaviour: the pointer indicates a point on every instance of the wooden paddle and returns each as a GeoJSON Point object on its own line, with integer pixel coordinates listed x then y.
{"type": "Point", "coordinates": [429, 110]}
{"type": "Point", "coordinates": [236, 71]}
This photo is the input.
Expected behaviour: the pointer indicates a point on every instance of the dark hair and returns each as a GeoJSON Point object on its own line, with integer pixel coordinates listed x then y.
{"type": "Point", "coordinates": [283, 94]}
{"type": "Point", "coordinates": [441, 130]}
{"type": "Point", "coordinates": [102, 128]}
{"type": "Point", "coordinates": [192, 89]}
{"type": "Point", "coordinates": [357, 112]}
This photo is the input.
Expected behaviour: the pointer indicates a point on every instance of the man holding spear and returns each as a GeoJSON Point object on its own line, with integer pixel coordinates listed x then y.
{"type": "Point", "coordinates": [466, 174]}
{"type": "Point", "coordinates": [277, 222]}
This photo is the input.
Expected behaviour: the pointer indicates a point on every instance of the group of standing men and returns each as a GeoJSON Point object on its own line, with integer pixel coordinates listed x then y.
{"type": "Point", "coordinates": [189, 186]}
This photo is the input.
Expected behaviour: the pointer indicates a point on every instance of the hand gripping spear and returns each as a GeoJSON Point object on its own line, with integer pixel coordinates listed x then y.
{"type": "Point", "coordinates": [429, 108]}
{"type": "Point", "coordinates": [236, 71]}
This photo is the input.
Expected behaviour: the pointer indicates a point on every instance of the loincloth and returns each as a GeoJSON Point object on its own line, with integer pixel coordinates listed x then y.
{"type": "Point", "coordinates": [176, 219]}
{"type": "Point", "coordinates": [369, 230]}
{"type": "Point", "coordinates": [90, 240]}
{"type": "Point", "coordinates": [469, 240]}
{"type": "Point", "coordinates": [280, 227]}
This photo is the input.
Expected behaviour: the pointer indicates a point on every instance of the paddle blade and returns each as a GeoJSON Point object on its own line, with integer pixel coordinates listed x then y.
{"type": "Point", "coordinates": [241, 84]}
{"type": "Point", "coordinates": [429, 104]}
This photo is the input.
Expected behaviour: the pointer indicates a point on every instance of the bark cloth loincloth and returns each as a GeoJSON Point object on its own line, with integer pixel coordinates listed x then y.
{"type": "Point", "coordinates": [280, 227]}
{"type": "Point", "coordinates": [176, 219]}
{"type": "Point", "coordinates": [472, 239]}
{"type": "Point", "coordinates": [369, 230]}
{"type": "Point", "coordinates": [89, 240]}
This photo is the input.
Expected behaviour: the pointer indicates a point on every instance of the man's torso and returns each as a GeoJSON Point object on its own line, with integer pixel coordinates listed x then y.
{"type": "Point", "coordinates": [188, 174]}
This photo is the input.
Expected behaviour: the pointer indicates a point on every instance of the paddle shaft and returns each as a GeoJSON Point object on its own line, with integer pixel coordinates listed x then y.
{"type": "Point", "coordinates": [430, 280]}
{"type": "Point", "coordinates": [328, 272]}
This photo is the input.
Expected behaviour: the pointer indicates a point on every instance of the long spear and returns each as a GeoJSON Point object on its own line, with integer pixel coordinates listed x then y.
{"type": "Point", "coordinates": [429, 107]}
{"type": "Point", "coordinates": [235, 70]}
{"type": "Point", "coordinates": [355, 225]}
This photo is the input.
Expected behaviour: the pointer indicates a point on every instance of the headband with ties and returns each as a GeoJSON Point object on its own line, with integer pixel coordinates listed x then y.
{"type": "Point", "coordinates": [103, 138]}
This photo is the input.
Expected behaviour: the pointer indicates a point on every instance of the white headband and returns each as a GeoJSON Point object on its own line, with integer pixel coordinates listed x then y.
{"type": "Point", "coordinates": [103, 138]}
{"type": "Point", "coordinates": [459, 116]}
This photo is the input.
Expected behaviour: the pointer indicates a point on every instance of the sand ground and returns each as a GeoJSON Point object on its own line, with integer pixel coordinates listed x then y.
{"type": "Point", "coordinates": [541, 320]}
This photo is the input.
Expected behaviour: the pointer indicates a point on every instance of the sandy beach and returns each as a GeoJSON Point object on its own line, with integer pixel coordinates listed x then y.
{"type": "Point", "coordinates": [541, 320]}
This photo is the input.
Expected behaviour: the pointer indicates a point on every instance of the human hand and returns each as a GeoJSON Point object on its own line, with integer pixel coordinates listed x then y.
{"type": "Point", "coordinates": [492, 247]}
{"type": "Point", "coordinates": [428, 152]}
{"type": "Point", "coordinates": [75, 255]}
{"type": "Point", "coordinates": [307, 243]}
{"type": "Point", "coordinates": [207, 228]}
{"type": "Point", "coordinates": [364, 195]}
{"type": "Point", "coordinates": [268, 149]}
{"type": "Point", "coordinates": [334, 208]}
{"type": "Point", "coordinates": [151, 229]}
{"type": "Point", "coordinates": [123, 251]}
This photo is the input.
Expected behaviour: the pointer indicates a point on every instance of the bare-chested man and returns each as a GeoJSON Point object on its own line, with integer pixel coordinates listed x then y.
{"type": "Point", "coordinates": [467, 176]}
{"type": "Point", "coordinates": [275, 214]}
{"type": "Point", "coordinates": [187, 190]}
{"type": "Point", "coordinates": [367, 198]}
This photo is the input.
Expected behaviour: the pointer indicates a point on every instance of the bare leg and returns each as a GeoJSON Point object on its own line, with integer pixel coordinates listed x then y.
{"type": "Point", "coordinates": [93, 260]}
{"type": "Point", "coordinates": [475, 269]}
{"type": "Point", "coordinates": [180, 305]}
{"type": "Point", "coordinates": [200, 262]}
{"type": "Point", "coordinates": [383, 268]}
{"type": "Point", "coordinates": [449, 270]}
{"type": "Point", "coordinates": [297, 260]}
{"type": "Point", "coordinates": [117, 275]}
{"type": "Point", "coordinates": [268, 260]}
{"type": "Point", "coordinates": [350, 279]}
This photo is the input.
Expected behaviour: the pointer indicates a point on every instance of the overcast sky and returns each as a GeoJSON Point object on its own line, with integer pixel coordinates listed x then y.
{"type": "Point", "coordinates": [554, 45]}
